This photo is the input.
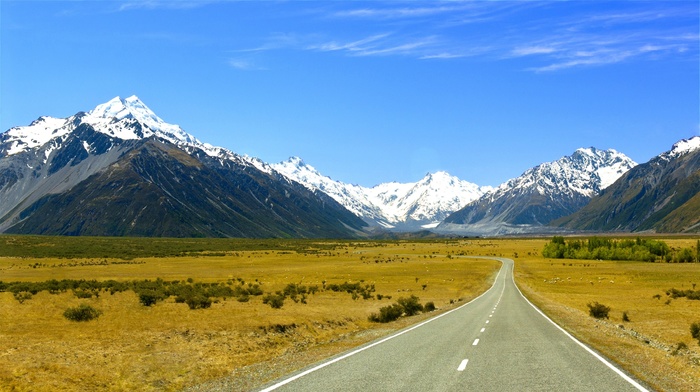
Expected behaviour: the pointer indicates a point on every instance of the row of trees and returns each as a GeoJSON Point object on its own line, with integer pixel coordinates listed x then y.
{"type": "Point", "coordinates": [640, 249]}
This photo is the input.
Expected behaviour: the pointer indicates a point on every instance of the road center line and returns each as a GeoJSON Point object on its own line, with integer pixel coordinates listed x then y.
{"type": "Point", "coordinates": [483, 329]}
{"type": "Point", "coordinates": [476, 341]}
{"type": "Point", "coordinates": [376, 343]}
{"type": "Point", "coordinates": [462, 365]}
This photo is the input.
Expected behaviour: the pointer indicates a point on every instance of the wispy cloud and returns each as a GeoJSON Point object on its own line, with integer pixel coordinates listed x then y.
{"type": "Point", "coordinates": [532, 50]}
{"type": "Point", "coordinates": [521, 32]}
{"type": "Point", "coordinates": [359, 46]}
{"type": "Point", "coordinates": [398, 12]}
{"type": "Point", "coordinates": [245, 65]}
{"type": "Point", "coordinates": [129, 5]}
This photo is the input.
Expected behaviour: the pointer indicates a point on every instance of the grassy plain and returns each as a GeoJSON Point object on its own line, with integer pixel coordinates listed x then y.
{"type": "Point", "coordinates": [170, 347]}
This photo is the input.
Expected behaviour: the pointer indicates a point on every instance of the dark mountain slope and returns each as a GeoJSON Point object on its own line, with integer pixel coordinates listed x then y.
{"type": "Point", "coordinates": [660, 195]}
{"type": "Point", "coordinates": [157, 189]}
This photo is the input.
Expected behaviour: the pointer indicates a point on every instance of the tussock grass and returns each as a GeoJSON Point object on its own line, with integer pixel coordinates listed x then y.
{"type": "Point", "coordinates": [168, 346]}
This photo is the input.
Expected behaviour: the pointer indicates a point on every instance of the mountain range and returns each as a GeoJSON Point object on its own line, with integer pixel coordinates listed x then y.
{"type": "Point", "coordinates": [398, 206]}
{"type": "Point", "coordinates": [662, 195]}
{"type": "Point", "coordinates": [541, 194]}
{"type": "Point", "coordinates": [120, 170]}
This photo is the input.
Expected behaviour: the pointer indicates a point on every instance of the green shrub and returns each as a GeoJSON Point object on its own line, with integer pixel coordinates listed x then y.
{"type": "Point", "coordinates": [22, 296]}
{"type": "Point", "coordinates": [148, 298]}
{"type": "Point", "coordinates": [695, 331]}
{"type": "Point", "coordinates": [403, 306]}
{"type": "Point", "coordinates": [387, 314]}
{"type": "Point", "coordinates": [81, 312]}
{"type": "Point", "coordinates": [198, 302]}
{"type": "Point", "coordinates": [625, 316]}
{"type": "Point", "coordinates": [276, 301]}
{"type": "Point", "coordinates": [410, 305]}
{"type": "Point", "coordinates": [429, 307]}
{"type": "Point", "coordinates": [598, 310]}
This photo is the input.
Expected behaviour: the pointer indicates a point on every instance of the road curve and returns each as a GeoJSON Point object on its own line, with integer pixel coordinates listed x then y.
{"type": "Point", "coordinates": [496, 342]}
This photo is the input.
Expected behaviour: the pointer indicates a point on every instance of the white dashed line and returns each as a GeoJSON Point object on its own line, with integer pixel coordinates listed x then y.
{"type": "Point", "coordinates": [487, 321]}
{"type": "Point", "coordinates": [462, 365]}
{"type": "Point", "coordinates": [482, 329]}
{"type": "Point", "coordinates": [476, 341]}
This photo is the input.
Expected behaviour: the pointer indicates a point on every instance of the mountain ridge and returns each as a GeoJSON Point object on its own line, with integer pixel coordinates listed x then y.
{"type": "Point", "coordinates": [661, 195]}
{"type": "Point", "coordinates": [57, 181]}
{"type": "Point", "coordinates": [395, 206]}
{"type": "Point", "coordinates": [541, 194]}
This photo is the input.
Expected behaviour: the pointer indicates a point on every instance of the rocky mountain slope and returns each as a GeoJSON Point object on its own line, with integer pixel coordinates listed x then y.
{"type": "Point", "coordinates": [541, 194]}
{"type": "Point", "coordinates": [121, 170]}
{"type": "Point", "coordinates": [662, 195]}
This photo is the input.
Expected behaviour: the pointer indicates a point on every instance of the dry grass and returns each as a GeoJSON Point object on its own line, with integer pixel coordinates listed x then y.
{"type": "Point", "coordinates": [169, 347]}
{"type": "Point", "coordinates": [646, 345]}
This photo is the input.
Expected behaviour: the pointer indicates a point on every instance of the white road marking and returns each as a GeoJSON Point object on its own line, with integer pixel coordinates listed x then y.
{"type": "Point", "coordinates": [483, 329]}
{"type": "Point", "coordinates": [476, 341]}
{"type": "Point", "coordinates": [363, 348]}
{"type": "Point", "coordinates": [462, 365]}
{"type": "Point", "coordinates": [487, 321]}
{"type": "Point", "coordinates": [590, 351]}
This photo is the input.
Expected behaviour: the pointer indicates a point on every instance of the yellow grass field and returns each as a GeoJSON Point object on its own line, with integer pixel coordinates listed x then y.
{"type": "Point", "coordinates": [170, 347]}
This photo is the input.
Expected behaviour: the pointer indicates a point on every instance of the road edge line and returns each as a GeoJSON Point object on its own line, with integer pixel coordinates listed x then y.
{"type": "Point", "coordinates": [363, 348]}
{"type": "Point", "coordinates": [599, 357]}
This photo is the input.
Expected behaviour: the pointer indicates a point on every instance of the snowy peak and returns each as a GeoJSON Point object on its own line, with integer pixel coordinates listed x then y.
{"type": "Point", "coordinates": [117, 116]}
{"type": "Point", "coordinates": [132, 108]}
{"type": "Point", "coordinates": [543, 193]}
{"type": "Point", "coordinates": [586, 172]}
{"type": "Point", "coordinates": [605, 165]}
{"type": "Point", "coordinates": [410, 206]}
{"type": "Point", "coordinates": [125, 119]}
{"type": "Point", "coordinates": [36, 134]}
{"type": "Point", "coordinates": [684, 146]}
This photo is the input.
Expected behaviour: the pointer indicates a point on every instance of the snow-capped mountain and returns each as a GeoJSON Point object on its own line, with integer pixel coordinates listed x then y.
{"type": "Point", "coordinates": [123, 119]}
{"type": "Point", "coordinates": [662, 195]}
{"type": "Point", "coordinates": [399, 206]}
{"type": "Point", "coordinates": [541, 194]}
{"type": "Point", "coordinates": [685, 146]}
{"type": "Point", "coordinates": [121, 170]}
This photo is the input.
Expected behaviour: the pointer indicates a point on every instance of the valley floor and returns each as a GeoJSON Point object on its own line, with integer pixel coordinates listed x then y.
{"type": "Point", "coordinates": [239, 344]}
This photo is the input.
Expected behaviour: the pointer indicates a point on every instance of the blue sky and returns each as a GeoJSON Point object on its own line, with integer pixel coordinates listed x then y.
{"type": "Point", "coordinates": [370, 92]}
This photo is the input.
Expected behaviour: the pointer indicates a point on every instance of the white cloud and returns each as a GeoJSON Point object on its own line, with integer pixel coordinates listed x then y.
{"type": "Point", "coordinates": [244, 65]}
{"type": "Point", "coordinates": [532, 50]}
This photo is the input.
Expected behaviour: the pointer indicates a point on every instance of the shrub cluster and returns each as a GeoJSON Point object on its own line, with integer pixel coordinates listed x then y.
{"type": "Point", "coordinates": [609, 249]}
{"type": "Point", "coordinates": [81, 312]}
{"type": "Point", "coordinates": [357, 290]}
{"type": "Point", "coordinates": [695, 331]}
{"type": "Point", "coordinates": [598, 310]}
{"type": "Point", "coordinates": [295, 292]}
{"type": "Point", "coordinates": [195, 295]}
{"type": "Point", "coordinates": [690, 294]}
{"type": "Point", "coordinates": [404, 306]}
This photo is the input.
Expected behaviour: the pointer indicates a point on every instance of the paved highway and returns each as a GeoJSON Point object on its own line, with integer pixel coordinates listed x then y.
{"type": "Point", "coordinates": [497, 342]}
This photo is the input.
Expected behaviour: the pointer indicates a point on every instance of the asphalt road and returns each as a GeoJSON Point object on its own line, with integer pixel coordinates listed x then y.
{"type": "Point", "coordinates": [497, 342]}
